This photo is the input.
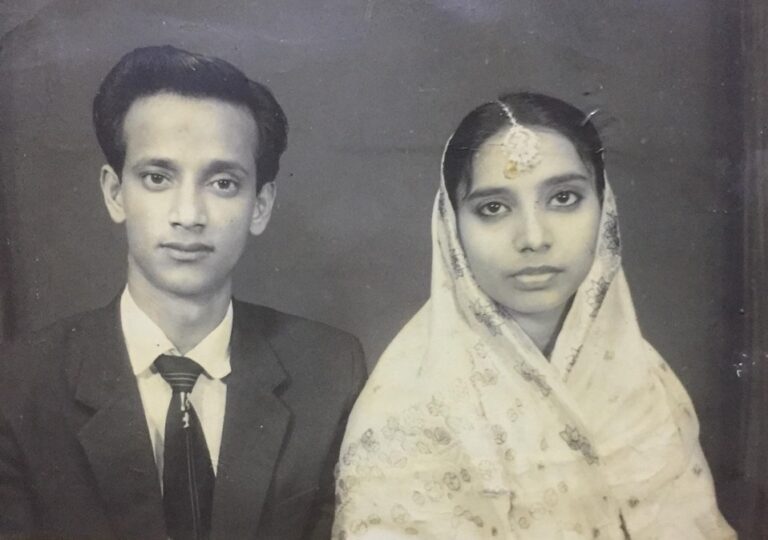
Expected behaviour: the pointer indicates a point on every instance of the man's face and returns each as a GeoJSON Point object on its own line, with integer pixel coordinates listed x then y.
{"type": "Point", "coordinates": [187, 192]}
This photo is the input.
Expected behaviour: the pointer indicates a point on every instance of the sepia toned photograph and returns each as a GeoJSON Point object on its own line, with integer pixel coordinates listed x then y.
{"type": "Point", "coordinates": [439, 269]}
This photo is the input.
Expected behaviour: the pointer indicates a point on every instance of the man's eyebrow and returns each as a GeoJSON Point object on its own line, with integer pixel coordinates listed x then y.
{"type": "Point", "coordinates": [216, 166]}
{"type": "Point", "coordinates": [160, 163]}
{"type": "Point", "coordinates": [222, 165]}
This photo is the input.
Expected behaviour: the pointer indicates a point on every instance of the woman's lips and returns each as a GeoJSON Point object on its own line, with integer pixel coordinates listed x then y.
{"type": "Point", "coordinates": [534, 278]}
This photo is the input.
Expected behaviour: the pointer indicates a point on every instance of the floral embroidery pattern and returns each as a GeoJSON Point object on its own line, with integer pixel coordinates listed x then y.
{"type": "Point", "coordinates": [487, 316]}
{"type": "Point", "coordinates": [460, 512]}
{"type": "Point", "coordinates": [572, 359]}
{"type": "Point", "coordinates": [368, 441]}
{"type": "Point", "coordinates": [499, 434]}
{"type": "Point", "coordinates": [596, 294]}
{"type": "Point", "coordinates": [611, 235]}
{"type": "Point", "coordinates": [532, 375]}
{"type": "Point", "coordinates": [452, 481]}
{"type": "Point", "coordinates": [436, 407]}
{"type": "Point", "coordinates": [457, 264]}
{"type": "Point", "coordinates": [481, 349]}
{"type": "Point", "coordinates": [438, 435]}
{"type": "Point", "coordinates": [486, 377]}
{"type": "Point", "coordinates": [576, 441]}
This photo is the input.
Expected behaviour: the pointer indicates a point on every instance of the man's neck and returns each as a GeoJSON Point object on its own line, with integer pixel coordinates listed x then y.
{"type": "Point", "coordinates": [185, 320]}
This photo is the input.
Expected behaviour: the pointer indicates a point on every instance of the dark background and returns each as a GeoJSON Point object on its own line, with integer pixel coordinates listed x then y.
{"type": "Point", "coordinates": [372, 89]}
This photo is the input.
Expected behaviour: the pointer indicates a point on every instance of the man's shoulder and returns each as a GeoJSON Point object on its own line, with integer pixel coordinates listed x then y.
{"type": "Point", "coordinates": [37, 354]}
{"type": "Point", "coordinates": [296, 338]}
{"type": "Point", "coordinates": [275, 324]}
{"type": "Point", "coordinates": [65, 329]}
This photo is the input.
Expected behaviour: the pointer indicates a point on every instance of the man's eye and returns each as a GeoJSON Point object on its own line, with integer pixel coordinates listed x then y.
{"type": "Point", "coordinates": [225, 184]}
{"type": "Point", "coordinates": [492, 208]}
{"type": "Point", "coordinates": [154, 179]}
{"type": "Point", "coordinates": [566, 198]}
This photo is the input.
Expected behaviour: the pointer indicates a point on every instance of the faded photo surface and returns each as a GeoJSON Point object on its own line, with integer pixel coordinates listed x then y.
{"type": "Point", "coordinates": [372, 90]}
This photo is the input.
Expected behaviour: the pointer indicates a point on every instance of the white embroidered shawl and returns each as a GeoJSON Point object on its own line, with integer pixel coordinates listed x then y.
{"type": "Point", "coordinates": [466, 431]}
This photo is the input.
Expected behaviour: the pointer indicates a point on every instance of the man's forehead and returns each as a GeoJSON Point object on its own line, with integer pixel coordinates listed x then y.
{"type": "Point", "coordinates": [165, 100]}
{"type": "Point", "coordinates": [174, 126]}
{"type": "Point", "coordinates": [178, 112]}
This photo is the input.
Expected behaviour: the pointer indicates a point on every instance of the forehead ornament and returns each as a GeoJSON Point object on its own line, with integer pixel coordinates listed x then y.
{"type": "Point", "coordinates": [521, 145]}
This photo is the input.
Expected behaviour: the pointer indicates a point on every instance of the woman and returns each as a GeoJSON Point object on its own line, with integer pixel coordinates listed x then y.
{"type": "Point", "coordinates": [522, 401]}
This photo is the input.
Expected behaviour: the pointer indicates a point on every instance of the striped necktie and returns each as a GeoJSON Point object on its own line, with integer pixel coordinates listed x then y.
{"type": "Point", "coordinates": [188, 477]}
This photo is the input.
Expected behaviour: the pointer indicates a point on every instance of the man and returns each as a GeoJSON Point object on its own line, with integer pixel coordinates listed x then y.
{"type": "Point", "coordinates": [176, 411]}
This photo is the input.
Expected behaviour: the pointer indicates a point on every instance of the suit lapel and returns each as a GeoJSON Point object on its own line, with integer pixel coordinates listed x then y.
{"type": "Point", "coordinates": [115, 438]}
{"type": "Point", "coordinates": [255, 424]}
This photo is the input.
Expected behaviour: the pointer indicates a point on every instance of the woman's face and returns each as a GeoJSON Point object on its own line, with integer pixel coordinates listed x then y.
{"type": "Point", "coordinates": [530, 240]}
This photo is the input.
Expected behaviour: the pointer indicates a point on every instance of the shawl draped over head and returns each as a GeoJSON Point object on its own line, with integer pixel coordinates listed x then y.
{"type": "Point", "coordinates": [466, 431]}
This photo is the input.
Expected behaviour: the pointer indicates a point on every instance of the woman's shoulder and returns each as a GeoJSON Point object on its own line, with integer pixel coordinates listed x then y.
{"type": "Point", "coordinates": [396, 375]}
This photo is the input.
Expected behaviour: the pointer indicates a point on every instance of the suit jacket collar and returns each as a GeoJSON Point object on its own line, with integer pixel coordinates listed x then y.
{"type": "Point", "coordinates": [118, 447]}
{"type": "Point", "coordinates": [255, 424]}
{"type": "Point", "coordinates": [115, 438]}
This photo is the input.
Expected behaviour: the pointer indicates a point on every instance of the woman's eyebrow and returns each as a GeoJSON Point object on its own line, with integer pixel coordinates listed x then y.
{"type": "Point", "coordinates": [487, 192]}
{"type": "Point", "coordinates": [564, 178]}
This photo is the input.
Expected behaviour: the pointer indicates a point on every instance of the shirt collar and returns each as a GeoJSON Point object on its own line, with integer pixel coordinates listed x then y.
{"type": "Point", "coordinates": [145, 341]}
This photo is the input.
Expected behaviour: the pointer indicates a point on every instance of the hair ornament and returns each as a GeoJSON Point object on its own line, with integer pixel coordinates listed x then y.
{"type": "Point", "coordinates": [589, 116]}
{"type": "Point", "coordinates": [521, 145]}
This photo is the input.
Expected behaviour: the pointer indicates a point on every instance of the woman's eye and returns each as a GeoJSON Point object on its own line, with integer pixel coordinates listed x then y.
{"type": "Point", "coordinates": [566, 198]}
{"type": "Point", "coordinates": [492, 208]}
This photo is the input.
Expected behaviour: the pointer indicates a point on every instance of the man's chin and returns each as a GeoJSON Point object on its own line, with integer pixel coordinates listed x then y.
{"type": "Point", "coordinates": [189, 286]}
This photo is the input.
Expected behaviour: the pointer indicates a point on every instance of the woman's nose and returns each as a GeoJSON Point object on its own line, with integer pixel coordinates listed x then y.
{"type": "Point", "coordinates": [532, 232]}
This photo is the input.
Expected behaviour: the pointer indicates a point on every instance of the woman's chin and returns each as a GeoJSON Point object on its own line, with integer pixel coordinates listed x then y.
{"type": "Point", "coordinates": [535, 304]}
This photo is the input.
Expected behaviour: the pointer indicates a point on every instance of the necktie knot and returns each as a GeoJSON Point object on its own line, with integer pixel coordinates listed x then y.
{"type": "Point", "coordinates": [178, 371]}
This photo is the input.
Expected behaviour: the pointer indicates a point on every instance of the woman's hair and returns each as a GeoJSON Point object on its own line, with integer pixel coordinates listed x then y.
{"type": "Point", "coordinates": [529, 109]}
{"type": "Point", "coordinates": [152, 70]}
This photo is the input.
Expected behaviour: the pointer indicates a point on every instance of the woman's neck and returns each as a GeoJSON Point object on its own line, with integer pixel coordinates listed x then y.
{"type": "Point", "coordinates": [543, 328]}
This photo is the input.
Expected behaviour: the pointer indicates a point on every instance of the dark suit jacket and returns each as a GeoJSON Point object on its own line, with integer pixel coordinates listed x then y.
{"type": "Point", "coordinates": [76, 459]}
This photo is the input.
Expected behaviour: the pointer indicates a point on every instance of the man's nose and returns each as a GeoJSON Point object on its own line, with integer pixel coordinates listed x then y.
{"type": "Point", "coordinates": [188, 210]}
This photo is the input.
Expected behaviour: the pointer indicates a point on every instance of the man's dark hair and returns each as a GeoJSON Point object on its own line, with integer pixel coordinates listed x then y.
{"type": "Point", "coordinates": [529, 109]}
{"type": "Point", "coordinates": [152, 70]}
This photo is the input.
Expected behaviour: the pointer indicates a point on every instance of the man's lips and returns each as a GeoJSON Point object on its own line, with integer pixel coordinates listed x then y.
{"type": "Point", "coordinates": [186, 252]}
{"type": "Point", "coordinates": [194, 247]}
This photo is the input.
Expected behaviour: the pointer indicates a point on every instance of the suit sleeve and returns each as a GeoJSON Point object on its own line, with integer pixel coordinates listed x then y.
{"type": "Point", "coordinates": [16, 502]}
{"type": "Point", "coordinates": [320, 527]}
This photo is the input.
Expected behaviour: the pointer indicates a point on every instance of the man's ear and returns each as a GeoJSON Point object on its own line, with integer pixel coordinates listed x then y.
{"type": "Point", "coordinates": [265, 200]}
{"type": "Point", "coordinates": [112, 190]}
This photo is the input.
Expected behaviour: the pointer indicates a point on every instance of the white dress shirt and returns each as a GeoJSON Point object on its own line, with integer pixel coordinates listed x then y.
{"type": "Point", "coordinates": [145, 341]}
